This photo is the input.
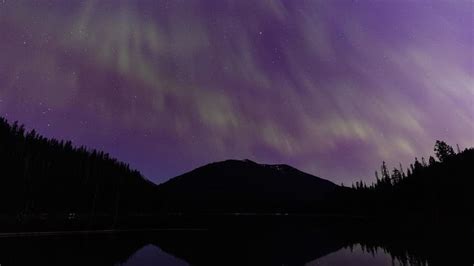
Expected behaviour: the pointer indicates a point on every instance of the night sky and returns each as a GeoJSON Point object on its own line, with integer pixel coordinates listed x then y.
{"type": "Point", "coordinates": [330, 87]}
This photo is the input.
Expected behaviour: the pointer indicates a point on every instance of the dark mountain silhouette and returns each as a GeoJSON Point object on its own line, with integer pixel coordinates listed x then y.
{"type": "Point", "coordinates": [243, 186]}
{"type": "Point", "coordinates": [46, 184]}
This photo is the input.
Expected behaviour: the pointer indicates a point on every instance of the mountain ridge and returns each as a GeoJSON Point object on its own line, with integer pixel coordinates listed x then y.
{"type": "Point", "coordinates": [233, 181]}
{"type": "Point", "coordinates": [48, 184]}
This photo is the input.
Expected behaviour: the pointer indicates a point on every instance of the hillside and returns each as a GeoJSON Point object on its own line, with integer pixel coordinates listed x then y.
{"type": "Point", "coordinates": [436, 191]}
{"type": "Point", "coordinates": [45, 180]}
{"type": "Point", "coordinates": [46, 184]}
{"type": "Point", "coordinates": [244, 186]}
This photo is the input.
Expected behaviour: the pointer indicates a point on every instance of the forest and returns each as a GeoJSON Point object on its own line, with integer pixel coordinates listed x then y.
{"type": "Point", "coordinates": [46, 184]}
{"type": "Point", "coordinates": [50, 182]}
{"type": "Point", "coordinates": [438, 191]}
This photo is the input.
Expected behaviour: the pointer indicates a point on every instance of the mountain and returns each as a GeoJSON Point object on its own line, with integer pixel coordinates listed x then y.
{"type": "Point", "coordinates": [46, 184]}
{"type": "Point", "coordinates": [244, 186]}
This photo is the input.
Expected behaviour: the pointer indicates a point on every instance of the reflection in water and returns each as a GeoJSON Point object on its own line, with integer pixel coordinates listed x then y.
{"type": "Point", "coordinates": [286, 247]}
{"type": "Point", "coordinates": [358, 256]}
{"type": "Point", "coordinates": [69, 250]}
{"type": "Point", "coordinates": [152, 255]}
{"type": "Point", "coordinates": [219, 248]}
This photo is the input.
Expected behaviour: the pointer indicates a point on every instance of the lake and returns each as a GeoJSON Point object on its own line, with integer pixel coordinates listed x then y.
{"type": "Point", "coordinates": [226, 247]}
{"type": "Point", "coordinates": [355, 256]}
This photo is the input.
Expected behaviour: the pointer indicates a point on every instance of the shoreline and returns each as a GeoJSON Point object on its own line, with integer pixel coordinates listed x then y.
{"type": "Point", "coordinates": [86, 232]}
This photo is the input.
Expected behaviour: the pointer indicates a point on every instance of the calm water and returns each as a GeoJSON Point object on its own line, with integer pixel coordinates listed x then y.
{"type": "Point", "coordinates": [357, 256]}
{"type": "Point", "coordinates": [226, 248]}
{"type": "Point", "coordinates": [153, 255]}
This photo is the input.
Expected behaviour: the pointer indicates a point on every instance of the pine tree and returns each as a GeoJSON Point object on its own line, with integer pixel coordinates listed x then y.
{"type": "Point", "coordinates": [431, 161]}
{"type": "Point", "coordinates": [402, 172]}
{"type": "Point", "coordinates": [396, 176]}
{"type": "Point", "coordinates": [443, 151]}
{"type": "Point", "coordinates": [385, 174]}
{"type": "Point", "coordinates": [417, 165]}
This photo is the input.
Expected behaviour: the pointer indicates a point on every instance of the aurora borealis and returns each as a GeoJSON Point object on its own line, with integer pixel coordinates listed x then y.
{"type": "Point", "coordinates": [330, 87]}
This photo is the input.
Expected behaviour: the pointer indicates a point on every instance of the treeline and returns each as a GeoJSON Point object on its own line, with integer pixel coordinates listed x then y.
{"type": "Point", "coordinates": [438, 190]}
{"type": "Point", "coordinates": [49, 183]}
{"type": "Point", "coordinates": [46, 179]}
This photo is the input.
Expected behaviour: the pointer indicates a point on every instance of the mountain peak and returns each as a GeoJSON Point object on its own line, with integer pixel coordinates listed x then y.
{"type": "Point", "coordinates": [244, 181]}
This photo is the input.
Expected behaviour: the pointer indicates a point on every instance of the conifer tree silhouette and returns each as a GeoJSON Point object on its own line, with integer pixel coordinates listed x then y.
{"type": "Point", "coordinates": [443, 151]}
{"type": "Point", "coordinates": [51, 178]}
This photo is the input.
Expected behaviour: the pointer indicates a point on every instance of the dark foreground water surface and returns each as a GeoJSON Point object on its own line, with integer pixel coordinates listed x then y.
{"type": "Point", "coordinates": [226, 248]}
{"type": "Point", "coordinates": [355, 256]}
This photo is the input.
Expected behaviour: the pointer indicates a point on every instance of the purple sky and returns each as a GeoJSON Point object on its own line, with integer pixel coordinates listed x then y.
{"type": "Point", "coordinates": [330, 87]}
